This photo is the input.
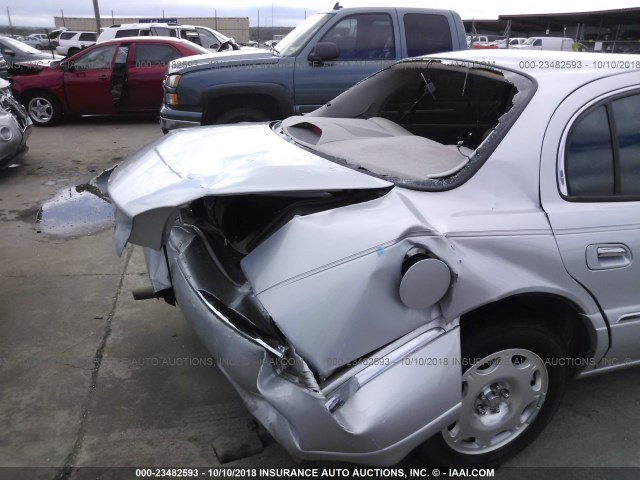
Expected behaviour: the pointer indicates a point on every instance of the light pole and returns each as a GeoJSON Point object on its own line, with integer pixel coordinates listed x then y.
{"type": "Point", "coordinates": [96, 10]}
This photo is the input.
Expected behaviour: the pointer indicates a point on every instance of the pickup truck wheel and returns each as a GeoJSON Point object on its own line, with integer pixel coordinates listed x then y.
{"type": "Point", "coordinates": [44, 109]}
{"type": "Point", "coordinates": [72, 51]}
{"type": "Point", "coordinates": [513, 381]}
{"type": "Point", "coordinates": [242, 114]}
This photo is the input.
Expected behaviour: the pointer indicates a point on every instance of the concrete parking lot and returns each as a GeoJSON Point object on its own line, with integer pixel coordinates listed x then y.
{"type": "Point", "coordinates": [88, 377]}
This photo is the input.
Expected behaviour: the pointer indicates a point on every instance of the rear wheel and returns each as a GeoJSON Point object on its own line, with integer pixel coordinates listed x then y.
{"type": "Point", "coordinates": [513, 381]}
{"type": "Point", "coordinates": [43, 108]}
{"type": "Point", "coordinates": [242, 114]}
{"type": "Point", "coordinates": [72, 51]}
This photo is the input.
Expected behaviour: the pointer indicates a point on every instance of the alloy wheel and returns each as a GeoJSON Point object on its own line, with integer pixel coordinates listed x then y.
{"type": "Point", "coordinates": [40, 109]}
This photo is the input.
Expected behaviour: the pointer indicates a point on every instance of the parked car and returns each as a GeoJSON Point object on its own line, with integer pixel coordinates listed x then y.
{"type": "Point", "coordinates": [119, 76]}
{"type": "Point", "coordinates": [14, 51]}
{"type": "Point", "coordinates": [322, 57]}
{"type": "Point", "coordinates": [546, 43]}
{"type": "Point", "coordinates": [71, 42]}
{"type": "Point", "coordinates": [39, 41]}
{"type": "Point", "coordinates": [207, 37]}
{"type": "Point", "coordinates": [15, 125]}
{"type": "Point", "coordinates": [426, 259]}
{"type": "Point", "coordinates": [516, 41]}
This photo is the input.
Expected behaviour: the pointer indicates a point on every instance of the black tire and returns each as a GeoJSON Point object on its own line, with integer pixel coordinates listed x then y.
{"type": "Point", "coordinates": [43, 108]}
{"type": "Point", "coordinates": [38, 46]}
{"type": "Point", "coordinates": [242, 114]}
{"type": "Point", "coordinates": [72, 51]}
{"type": "Point", "coordinates": [456, 445]}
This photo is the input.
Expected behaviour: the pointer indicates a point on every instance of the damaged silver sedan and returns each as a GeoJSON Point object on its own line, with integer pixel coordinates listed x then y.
{"type": "Point", "coordinates": [422, 262]}
{"type": "Point", "coordinates": [15, 125]}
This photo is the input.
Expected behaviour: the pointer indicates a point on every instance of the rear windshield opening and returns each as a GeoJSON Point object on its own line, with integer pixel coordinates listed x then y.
{"type": "Point", "coordinates": [419, 122]}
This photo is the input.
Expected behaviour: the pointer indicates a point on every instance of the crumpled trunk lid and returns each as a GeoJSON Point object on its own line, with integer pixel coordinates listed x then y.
{"type": "Point", "coordinates": [186, 165]}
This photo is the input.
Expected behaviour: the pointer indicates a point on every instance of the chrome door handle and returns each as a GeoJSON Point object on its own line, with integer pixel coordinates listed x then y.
{"type": "Point", "coordinates": [607, 256]}
{"type": "Point", "coordinates": [607, 252]}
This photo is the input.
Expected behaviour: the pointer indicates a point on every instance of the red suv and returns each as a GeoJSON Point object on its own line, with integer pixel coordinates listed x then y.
{"type": "Point", "coordinates": [118, 76]}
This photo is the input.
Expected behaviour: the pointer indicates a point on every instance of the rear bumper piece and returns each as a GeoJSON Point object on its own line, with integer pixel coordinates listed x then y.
{"type": "Point", "coordinates": [375, 416]}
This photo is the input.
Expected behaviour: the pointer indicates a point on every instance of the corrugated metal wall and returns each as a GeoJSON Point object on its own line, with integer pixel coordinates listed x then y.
{"type": "Point", "coordinates": [236, 27]}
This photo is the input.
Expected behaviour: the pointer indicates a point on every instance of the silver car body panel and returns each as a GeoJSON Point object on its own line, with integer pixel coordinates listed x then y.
{"type": "Point", "coordinates": [185, 166]}
{"type": "Point", "coordinates": [597, 240]}
{"type": "Point", "coordinates": [304, 256]}
{"type": "Point", "coordinates": [15, 125]}
{"type": "Point", "coordinates": [299, 417]}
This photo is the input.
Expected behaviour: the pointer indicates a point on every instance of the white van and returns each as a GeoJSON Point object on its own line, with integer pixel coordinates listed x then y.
{"type": "Point", "coordinates": [546, 43]}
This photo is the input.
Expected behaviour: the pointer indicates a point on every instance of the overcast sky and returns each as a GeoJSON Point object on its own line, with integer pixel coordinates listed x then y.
{"type": "Point", "coordinates": [40, 13]}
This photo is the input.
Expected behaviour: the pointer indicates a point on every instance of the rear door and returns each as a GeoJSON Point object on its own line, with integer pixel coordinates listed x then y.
{"type": "Point", "coordinates": [146, 67]}
{"type": "Point", "coordinates": [590, 189]}
{"type": "Point", "coordinates": [87, 83]}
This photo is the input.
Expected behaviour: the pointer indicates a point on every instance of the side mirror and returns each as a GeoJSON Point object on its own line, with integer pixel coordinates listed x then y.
{"type": "Point", "coordinates": [66, 66]}
{"type": "Point", "coordinates": [323, 52]}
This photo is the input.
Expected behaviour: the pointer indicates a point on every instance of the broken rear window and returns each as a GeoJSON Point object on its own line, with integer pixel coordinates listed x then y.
{"type": "Point", "coordinates": [425, 124]}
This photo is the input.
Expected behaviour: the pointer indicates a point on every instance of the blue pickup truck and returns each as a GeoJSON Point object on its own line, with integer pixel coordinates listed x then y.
{"type": "Point", "coordinates": [322, 57]}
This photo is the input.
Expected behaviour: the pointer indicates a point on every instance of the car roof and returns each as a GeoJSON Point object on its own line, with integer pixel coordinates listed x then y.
{"type": "Point", "coordinates": [124, 26]}
{"type": "Point", "coordinates": [546, 65]}
{"type": "Point", "coordinates": [560, 72]}
{"type": "Point", "coordinates": [152, 39]}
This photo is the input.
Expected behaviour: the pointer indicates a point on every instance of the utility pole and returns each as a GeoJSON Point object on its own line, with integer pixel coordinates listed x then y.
{"type": "Point", "coordinates": [64, 24]}
{"type": "Point", "coordinates": [96, 10]}
{"type": "Point", "coordinates": [258, 28]}
{"type": "Point", "coordinates": [10, 25]}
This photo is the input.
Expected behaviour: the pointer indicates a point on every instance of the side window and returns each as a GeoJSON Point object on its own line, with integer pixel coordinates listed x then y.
{"type": "Point", "coordinates": [121, 56]}
{"type": "Point", "coordinates": [163, 31]}
{"type": "Point", "coordinates": [96, 59]}
{"type": "Point", "coordinates": [154, 54]}
{"type": "Point", "coordinates": [626, 113]}
{"type": "Point", "coordinates": [427, 34]}
{"type": "Point", "coordinates": [589, 157]}
{"type": "Point", "coordinates": [363, 37]}
{"type": "Point", "coordinates": [88, 37]}
{"type": "Point", "coordinates": [207, 39]}
{"type": "Point", "coordinates": [127, 33]}
{"type": "Point", "coordinates": [537, 43]}
{"type": "Point", "coordinates": [603, 151]}
{"type": "Point", "coordinates": [66, 35]}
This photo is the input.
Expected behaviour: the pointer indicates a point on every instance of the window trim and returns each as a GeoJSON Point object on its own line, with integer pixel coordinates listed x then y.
{"type": "Point", "coordinates": [561, 177]}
